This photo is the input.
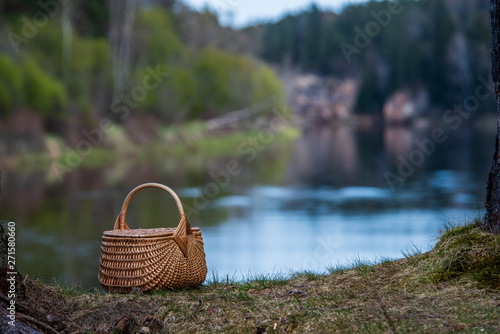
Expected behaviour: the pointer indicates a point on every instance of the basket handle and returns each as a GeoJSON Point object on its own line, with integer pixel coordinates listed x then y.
{"type": "Point", "coordinates": [182, 235]}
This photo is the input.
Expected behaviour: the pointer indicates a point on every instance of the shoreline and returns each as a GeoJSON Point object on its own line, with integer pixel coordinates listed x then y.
{"type": "Point", "coordinates": [453, 287]}
{"type": "Point", "coordinates": [174, 141]}
{"type": "Point", "coordinates": [189, 138]}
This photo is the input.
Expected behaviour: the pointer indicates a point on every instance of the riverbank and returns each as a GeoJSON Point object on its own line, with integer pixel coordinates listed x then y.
{"type": "Point", "coordinates": [454, 287]}
{"type": "Point", "coordinates": [194, 138]}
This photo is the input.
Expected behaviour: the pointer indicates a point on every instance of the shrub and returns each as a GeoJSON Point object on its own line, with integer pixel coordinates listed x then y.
{"type": "Point", "coordinates": [10, 85]}
{"type": "Point", "coordinates": [42, 93]}
{"type": "Point", "coordinates": [228, 82]}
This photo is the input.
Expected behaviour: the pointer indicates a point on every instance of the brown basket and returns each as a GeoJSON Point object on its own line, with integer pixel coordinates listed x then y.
{"type": "Point", "coordinates": [158, 258]}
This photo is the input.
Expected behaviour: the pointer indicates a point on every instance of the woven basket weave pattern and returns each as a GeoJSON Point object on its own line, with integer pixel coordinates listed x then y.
{"type": "Point", "coordinates": [160, 258]}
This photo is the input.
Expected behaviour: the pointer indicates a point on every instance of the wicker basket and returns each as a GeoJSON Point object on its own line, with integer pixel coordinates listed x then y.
{"type": "Point", "coordinates": [159, 258]}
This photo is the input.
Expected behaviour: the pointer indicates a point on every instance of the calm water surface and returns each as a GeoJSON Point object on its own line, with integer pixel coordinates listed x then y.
{"type": "Point", "coordinates": [319, 200]}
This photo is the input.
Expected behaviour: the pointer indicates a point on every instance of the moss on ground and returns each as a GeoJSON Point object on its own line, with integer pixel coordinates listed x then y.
{"type": "Point", "coordinates": [466, 252]}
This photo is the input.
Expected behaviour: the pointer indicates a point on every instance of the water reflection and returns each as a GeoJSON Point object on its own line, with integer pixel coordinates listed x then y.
{"type": "Point", "coordinates": [325, 155]}
{"type": "Point", "coordinates": [319, 200]}
{"type": "Point", "coordinates": [398, 141]}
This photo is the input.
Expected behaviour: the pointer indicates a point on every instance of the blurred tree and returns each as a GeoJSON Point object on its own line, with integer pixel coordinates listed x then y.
{"type": "Point", "coordinates": [13, 9]}
{"type": "Point", "coordinates": [122, 19]}
{"type": "Point", "coordinates": [441, 31]}
{"type": "Point", "coordinates": [155, 38]}
{"type": "Point", "coordinates": [89, 85]}
{"type": "Point", "coordinates": [370, 99]}
{"type": "Point", "coordinates": [92, 19]}
{"type": "Point", "coordinates": [199, 30]}
{"type": "Point", "coordinates": [42, 93]}
{"type": "Point", "coordinates": [67, 37]}
{"type": "Point", "coordinates": [492, 219]}
{"type": "Point", "coordinates": [440, 46]}
{"type": "Point", "coordinates": [157, 46]}
{"type": "Point", "coordinates": [212, 71]}
{"type": "Point", "coordinates": [10, 86]}
{"type": "Point", "coordinates": [200, 83]}
{"type": "Point", "coordinates": [26, 85]}
{"type": "Point", "coordinates": [228, 82]}
{"type": "Point", "coordinates": [87, 76]}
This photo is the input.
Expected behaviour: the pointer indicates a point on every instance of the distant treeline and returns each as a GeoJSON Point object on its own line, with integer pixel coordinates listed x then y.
{"type": "Point", "coordinates": [69, 59]}
{"type": "Point", "coordinates": [440, 46]}
{"type": "Point", "coordinates": [68, 62]}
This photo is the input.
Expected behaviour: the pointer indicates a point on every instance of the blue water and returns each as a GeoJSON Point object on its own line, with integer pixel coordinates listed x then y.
{"type": "Point", "coordinates": [319, 200]}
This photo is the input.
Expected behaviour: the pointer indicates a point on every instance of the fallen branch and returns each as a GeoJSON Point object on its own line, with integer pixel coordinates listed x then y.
{"type": "Point", "coordinates": [237, 116]}
{"type": "Point", "coordinates": [36, 322]}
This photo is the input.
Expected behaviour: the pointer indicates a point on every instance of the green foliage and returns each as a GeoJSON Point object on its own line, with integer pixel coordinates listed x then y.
{"type": "Point", "coordinates": [27, 85]}
{"type": "Point", "coordinates": [228, 82]}
{"type": "Point", "coordinates": [213, 72]}
{"type": "Point", "coordinates": [467, 251]}
{"type": "Point", "coordinates": [44, 45]}
{"type": "Point", "coordinates": [10, 85]}
{"type": "Point", "coordinates": [198, 85]}
{"type": "Point", "coordinates": [155, 33]}
{"type": "Point", "coordinates": [86, 74]}
{"type": "Point", "coordinates": [42, 93]}
{"type": "Point", "coordinates": [182, 85]}
{"type": "Point", "coordinates": [266, 85]}
{"type": "Point", "coordinates": [215, 82]}
{"type": "Point", "coordinates": [89, 72]}
{"type": "Point", "coordinates": [158, 46]}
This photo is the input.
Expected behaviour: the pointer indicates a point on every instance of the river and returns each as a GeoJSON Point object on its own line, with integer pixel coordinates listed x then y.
{"type": "Point", "coordinates": [319, 200]}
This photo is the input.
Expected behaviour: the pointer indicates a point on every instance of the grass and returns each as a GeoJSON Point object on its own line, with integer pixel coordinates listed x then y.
{"type": "Point", "coordinates": [467, 253]}
{"type": "Point", "coordinates": [455, 287]}
{"type": "Point", "coordinates": [223, 144]}
{"type": "Point", "coordinates": [183, 140]}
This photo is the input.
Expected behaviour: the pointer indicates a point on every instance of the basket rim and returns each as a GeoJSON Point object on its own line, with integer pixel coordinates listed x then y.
{"type": "Point", "coordinates": [144, 233]}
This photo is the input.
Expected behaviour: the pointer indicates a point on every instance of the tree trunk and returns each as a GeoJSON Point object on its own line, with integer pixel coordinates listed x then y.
{"type": "Point", "coordinates": [492, 219]}
{"type": "Point", "coordinates": [122, 18]}
{"type": "Point", "coordinates": [67, 39]}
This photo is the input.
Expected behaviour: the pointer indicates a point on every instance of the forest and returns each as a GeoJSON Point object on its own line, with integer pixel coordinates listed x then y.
{"type": "Point", "coordinates": [80, 64]}
{"type": "Point", "coordinates": [441, 46]}
{"type": "Point", "coordinates": [74, 63]}
{"type": "Point", "coordinates": [335, 162]}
